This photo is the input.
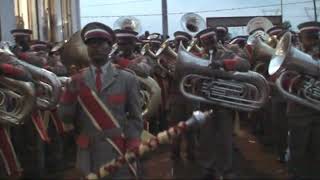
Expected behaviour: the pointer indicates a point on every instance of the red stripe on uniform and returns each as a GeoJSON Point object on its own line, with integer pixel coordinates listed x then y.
{"type": "Point", "coordinates": [229, 64]}
{"type": "Point", "coordinates": [40, 127]}
{"type": "Point", "coordinates": [57, 122]}
{"type": "Point", "coordinates": [94, 108]}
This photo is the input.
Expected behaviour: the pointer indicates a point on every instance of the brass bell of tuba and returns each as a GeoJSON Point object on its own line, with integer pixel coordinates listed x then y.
{"type": "Point", "coordinates": [128, 23]}
{"type": "Point", "coordinates": [74, 55]}
{"type": "Point", "coordinates": [192, 23]}
{"type": "Point", "coordinates": [244, 91]}
{"type": "Point", "coordinates": [152, 96]}
{"type": "Point", "coordinates": [296, 62]}
{"type": "Point", "coordinates": [167, 58]}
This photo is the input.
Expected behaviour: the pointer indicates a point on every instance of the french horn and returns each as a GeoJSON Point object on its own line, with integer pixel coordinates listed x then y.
{"type": "Point", "coordinates": [301, 66]}
{"type": "Point", "coordinates": [244, 91]}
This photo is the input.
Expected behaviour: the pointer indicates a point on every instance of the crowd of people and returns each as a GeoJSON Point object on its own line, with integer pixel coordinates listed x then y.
{"type": "Point", "coordinates": [99, 116]}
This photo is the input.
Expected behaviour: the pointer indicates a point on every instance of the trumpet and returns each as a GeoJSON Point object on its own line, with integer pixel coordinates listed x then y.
{"type": "Point", "coordinates": [244, 91]}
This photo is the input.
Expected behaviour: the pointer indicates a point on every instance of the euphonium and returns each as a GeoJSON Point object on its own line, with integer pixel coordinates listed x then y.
{"type": "Point", "coordinates": [261, 49]}
{"type": "Point", "coordinates": [167, 57]}
{"type": "Point", "coordinates": [246, 91]}
{"type": "Point", "coordinates": [17, 100]}
{"type": "Point", "coordinates": [48, 86]}
{"type": "Point", "coordinates": [296, 62]}
{"type": "Point", "coordinates": [262, 52]}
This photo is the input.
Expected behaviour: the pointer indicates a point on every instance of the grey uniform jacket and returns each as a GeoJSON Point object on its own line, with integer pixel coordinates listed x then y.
{"type": "Point", "coordinates": [120, 94]}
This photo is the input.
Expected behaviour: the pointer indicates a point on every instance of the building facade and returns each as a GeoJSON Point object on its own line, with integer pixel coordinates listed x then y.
{"type": "Point", "coordinates": [50, 20]}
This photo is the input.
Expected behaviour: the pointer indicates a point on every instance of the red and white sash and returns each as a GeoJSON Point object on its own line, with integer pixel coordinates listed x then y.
{"type": "Point", "coordinates": [101, 117]}
{"type": "Point", "coordinates": [8, 154]}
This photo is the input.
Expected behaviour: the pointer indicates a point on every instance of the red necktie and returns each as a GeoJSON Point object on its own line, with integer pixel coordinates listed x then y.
{"type": "Point", "coordinates": [98, 79]}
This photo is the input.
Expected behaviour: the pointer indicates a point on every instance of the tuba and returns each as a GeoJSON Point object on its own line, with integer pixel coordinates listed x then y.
{"type": "Point", "coordinates": [300, 66]}
{"type": "Point", "coordinates": [245, 91]}
{"type": "Point", "coordinates": [192, 23]}
{"type": "Point", "coordinates": [167, 58]}
{"type": "Point", "coordinates": [48, 86]}
{"type": "Point", "coordinates": [18, 94]}
{"type": "Point", "coordinates": [17, 98]}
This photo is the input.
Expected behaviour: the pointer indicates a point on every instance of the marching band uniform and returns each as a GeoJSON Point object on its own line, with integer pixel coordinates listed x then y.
{"type": "Point", "coordinates": [22, 39]}
{"type": "Point", "coordinates": [104, 103]}
{"type": "Point", "coordinates": [279, 122]}
{"type": "Point", "coordinates": [54, 62]}
{"type": "Point", "coordinates": [9, 161]}
{"type": "Point", "coordinates": [126, 58]}
{"type": "Point", "coordinates": [155, 41]}
{"type": "Point", "coordinates": [180, 108]}
{"type": "Point", "coordinates": [215, 142]}
{"type": "Point", "coordinates": [304, 122]}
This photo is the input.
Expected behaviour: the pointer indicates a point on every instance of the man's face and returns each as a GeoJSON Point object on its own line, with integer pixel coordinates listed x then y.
{"type": "Point", "coordinates": [126, 44]}
{"type": "Point", "coordinates": [309, 39]}
{"type": "Point", "coordinates": [209, 42]}
{"type": "Point", "coordinates": [98, 50]}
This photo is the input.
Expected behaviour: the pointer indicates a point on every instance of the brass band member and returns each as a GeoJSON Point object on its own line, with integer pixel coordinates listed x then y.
{"type": "Point", "coordinates": [126, 56]}
{"type": "Point", "coordinates": [104, 102]}
{"type": "Point", "coordinates": [215, 142]}
{"type": "Point", "coordinates": [54, 61]}
{"type": "Point", "coordinates": [278, 130]}
{"type": "Point", "coordinates": [304, 123]}
{"type": "Point", "coordinates": [22, 38]}
{"type": "Point", "coordinates": [180, 108]}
